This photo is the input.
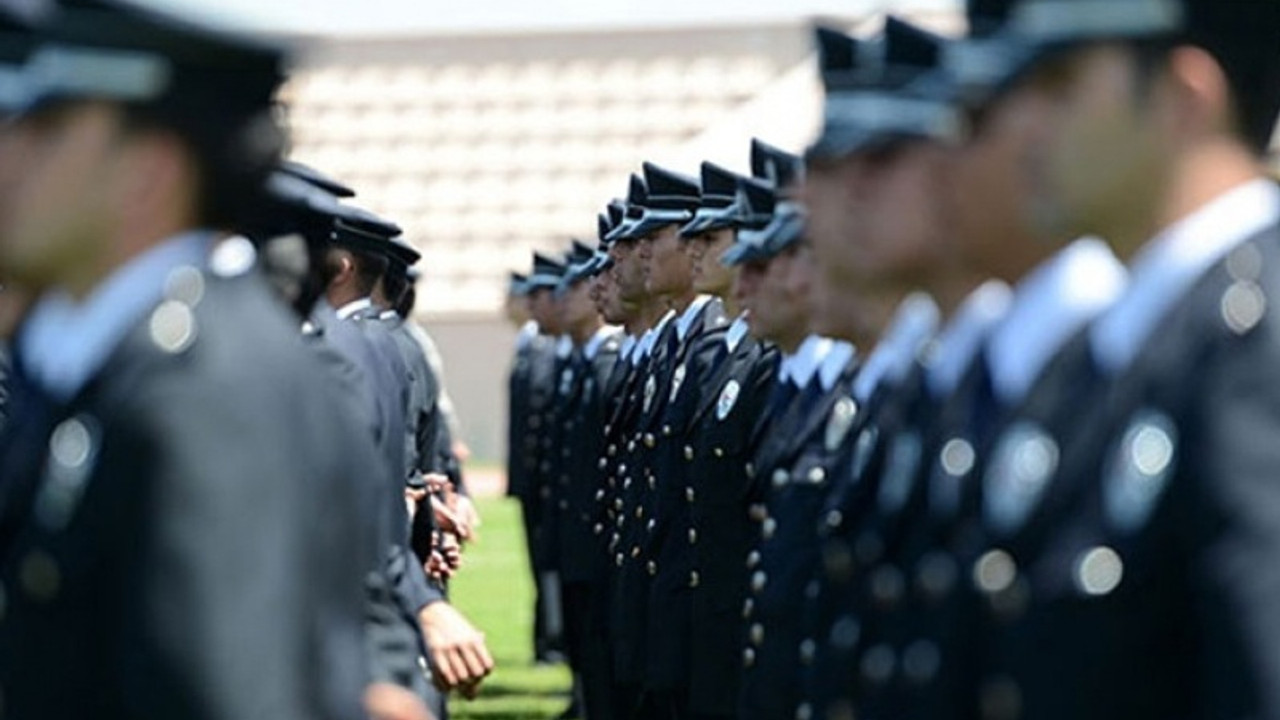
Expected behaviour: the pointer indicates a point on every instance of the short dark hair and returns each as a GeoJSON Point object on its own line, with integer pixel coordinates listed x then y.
{"type": "Point", "coordinates": [232, 162]}
{"type": "Point", "coordinates": [404, 308]}
{"type": "Point", "coordinates": [394, 283]}
{"type": "Point", "coordinates": [368, 267]}
{"type": "Point", "coordinates": [1242, 37]}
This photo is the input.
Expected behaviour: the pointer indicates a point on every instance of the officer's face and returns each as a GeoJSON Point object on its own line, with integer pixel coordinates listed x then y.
{"type": "Point", "coordinates": [801, 276]}
{"type": "Point", "coordinates": [575, 306]}
{"type": "Point", "coordinates": [831, 193]}
{"type": "Point", "coordinates": [709, 275]}
{"type": "Point", "coordinates": [607, 301]}
{"type": "Point", "coordinates": [543, 307]}
{"type": "Point", "coordinates": [988, 197]}
{"type": "Point", "coordinates": [1109, 146]}
{"type": "Point", "coordinates": [668, 269]}
{"type": "Point", "coordinates": [898, 243]}
{"type": "Point", "coordinates": [628, 272]}
{"type": "Point", "coordinates": [64, 168]}
{"type": "Point", "coordinates": [746, 285]}
{"type": "Point", "coordinates": [780, 312]}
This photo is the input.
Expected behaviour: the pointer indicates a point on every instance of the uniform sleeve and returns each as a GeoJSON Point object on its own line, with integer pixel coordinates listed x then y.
{"type": "Point", "coordinates": [1234, 460]}
{"type": "Point", "coordinates": [218, 606]}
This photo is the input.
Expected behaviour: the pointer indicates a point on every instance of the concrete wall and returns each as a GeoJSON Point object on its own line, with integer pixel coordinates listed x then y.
{"type": "Point", "coordinates": [477, 357]}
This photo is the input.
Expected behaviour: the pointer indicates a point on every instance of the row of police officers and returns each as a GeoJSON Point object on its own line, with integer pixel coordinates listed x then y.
{"type": "Point", "coordinates": [228, 488]}
{"type": "Point", "coordinates": [969, 412]}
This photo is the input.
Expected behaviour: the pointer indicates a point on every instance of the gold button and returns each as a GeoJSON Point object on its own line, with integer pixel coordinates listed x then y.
{"type": "Point", "coordinates": [1001, 699]}
{"type": "Point", "coordinates": [768, 528]}
{"type": "Point", "coordinates": [688, 452]}
{"type": "Point", "coordinates": [748, 658]}
{"type": "Point", "coordinates": [758, 579]}
{"type": "Point", "coordinates": [618, 559]}
{"type": "Point", "coordinates": [995, 572]}
{"type": "Point", "coordinates": [719, 452]}
{"type": "Point", "coordinates": [40, 575]}
{"type": "Point", "coordinates": [649, 440]}
{"type": "Point", "coordinates": [666, 431]}
{"type": "Point", "coordinates": [693, 536]}
{"type": "Point", "coordinates": [757, 634]}
{"type": "Point", "coordinates": [689, 494]}
{"type": "Point", "coordinates": [694, 579]}
{"type": "Point", "coordinates": [653, 567]}
{"type": "Point", "coordinates": [751, 471]}
{"type": "Point", "coordinates": [639, 512]}
{"type": "Point", "coordinates": [808, 651]}
{"type": "Point", "coordinates": [753, 559]}
{"type": "Point", "coordinates": [635, 551]}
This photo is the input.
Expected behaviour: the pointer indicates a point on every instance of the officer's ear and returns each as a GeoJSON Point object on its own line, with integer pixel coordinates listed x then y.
{"type": "Point", "coordinates": [339, 267]}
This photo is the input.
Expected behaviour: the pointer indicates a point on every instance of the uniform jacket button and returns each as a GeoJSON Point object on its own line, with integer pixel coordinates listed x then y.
{"type": "Point", "coordinates": [1001, 699]}
{"type": "Point", "coordinates": [693, 536]}
{"type": "Point", "coordinates": [758, 580]}
{"type": "Point", "coordinates": [748, 657]}
{"type": "Point", "coordinates": [688, 452]}
{"type": "Point", "coordinates": [694, 579]}
{"type": "Point", "coordinates": [756, 634]}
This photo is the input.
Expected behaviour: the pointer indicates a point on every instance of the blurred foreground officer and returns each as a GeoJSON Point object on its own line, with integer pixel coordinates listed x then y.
{"type": "Point", "coordinates": [1130, 573]}
{"type": "Point", "coordinates": [160, 553]}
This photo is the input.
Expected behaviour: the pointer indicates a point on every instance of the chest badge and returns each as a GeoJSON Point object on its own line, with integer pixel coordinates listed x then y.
{"type": "Point", "coordinates": [728, 398]}
{"type": "Point", "coordinates": [1139, 470]}
{"type": "Point", "coordinates": [840, 422]}
{"type": "Point", "coordinates": [1022, 464]}
{"type": "Point", "coordinates": [677, 380]}
{"type": "Point", "coordinates": [864, 449]}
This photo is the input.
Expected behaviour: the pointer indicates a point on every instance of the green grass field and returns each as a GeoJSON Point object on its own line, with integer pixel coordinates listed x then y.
{"type": "Point", "coordinates": [495, 591]}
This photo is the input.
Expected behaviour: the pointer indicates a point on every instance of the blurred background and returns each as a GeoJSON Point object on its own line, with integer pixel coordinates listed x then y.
{"type": "Point", "coordinates": [491, 128]}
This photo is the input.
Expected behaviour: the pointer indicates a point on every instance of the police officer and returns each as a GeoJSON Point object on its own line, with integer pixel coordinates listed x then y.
{"type": "Point", "coordinates": [544, 376]}
{"type": "Point", "coordinates": [704, 553]}
{"type": "Point", "coordinates": [698, 332]}
{"type": "Point", "coordinates": [144, 544]}
{"type": "Point", "coordinates": [595, 353]}
{"type": "Point", "coordinates": [1159, 503]}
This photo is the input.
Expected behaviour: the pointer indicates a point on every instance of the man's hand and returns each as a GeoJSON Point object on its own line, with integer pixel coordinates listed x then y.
{"type": "Point", "coordinates": [467, 512]}
{"type": "Point", "coordinates": [459, 658]}
{"type": "Point", "coordinates": [413, 496]}
{"type": "Point", "coordinates": [384, 701]}
{"type": "Point", "coordinates": [446, 557]}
